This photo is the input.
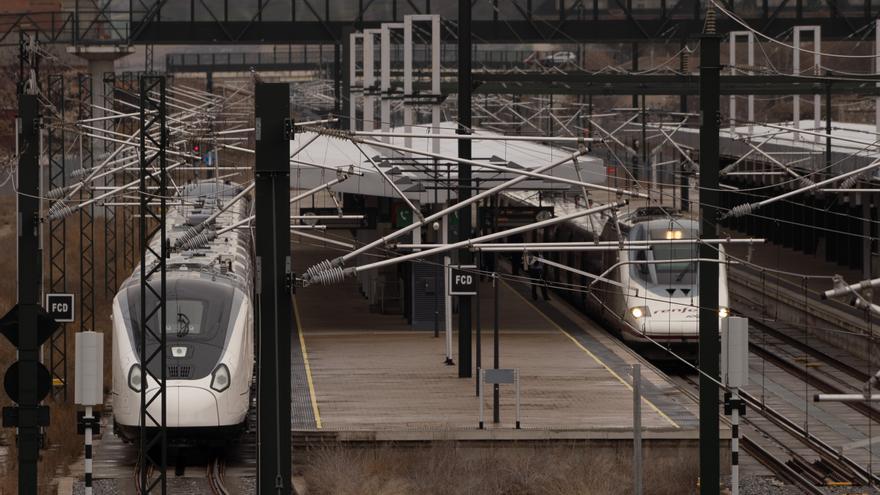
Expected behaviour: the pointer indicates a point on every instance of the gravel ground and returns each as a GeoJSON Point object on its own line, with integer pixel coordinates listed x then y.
{"type": "Point", "coordinates": [762, 485]}
{"type": "Point", "coordinates": [248, 486]}
{"type": "Point", "coordinates": [189, 486]}
{"type": "Point", "coordinates": [99, 487]}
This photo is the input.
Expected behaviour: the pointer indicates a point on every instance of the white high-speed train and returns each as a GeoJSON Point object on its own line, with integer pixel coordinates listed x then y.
{"type": "Point", "coordinates": [646, 296]}
{"type": "Point", "coordinates": [657, 297]}
{"type": "Point", "coordinates": [209, 326]}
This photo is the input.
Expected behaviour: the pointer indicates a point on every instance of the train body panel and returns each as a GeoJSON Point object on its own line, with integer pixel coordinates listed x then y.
{"type": "Point", "coordinates": [208, 328]}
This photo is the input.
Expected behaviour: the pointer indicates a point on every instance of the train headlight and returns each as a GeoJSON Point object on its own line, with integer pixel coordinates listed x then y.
{"type": "Point", "coordinates": [220, 378]}
{"type": "Point", "coordinates": [723, 312]}
{"type": "Point", "coordinates": [639, 312]}
{"type": "Point", "coordinates": [135, 378]}
{"type": "Point", "coordinates": [674, 235]}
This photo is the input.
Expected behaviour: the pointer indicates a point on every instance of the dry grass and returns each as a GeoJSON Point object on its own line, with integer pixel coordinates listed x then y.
{"type": "Point", "coordinates": [448, 470]}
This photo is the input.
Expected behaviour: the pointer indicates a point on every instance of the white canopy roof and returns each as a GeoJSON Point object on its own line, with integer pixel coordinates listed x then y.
{"type": "Point", "coordinates": [418, 176]}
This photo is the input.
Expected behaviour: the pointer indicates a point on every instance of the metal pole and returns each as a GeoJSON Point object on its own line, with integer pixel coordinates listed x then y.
{"type": "Point", "coordinates": [644, 162]}
{"type": "Point", "coordinates": [337, 79]}
{"type": "Point", "coordinates": [734, 441]}
{"type": "Point", "coordinates": [479, 357]}
{"type": "Point", "coordinates": [710, 89]}
{"type": "Point", "coordinates": [28, 436]}
{"type": "Point", "coordinates": [637, 429]}
{"type": "Point", "coordinates": [496, 411]}
{"type": "Point", "coordinates": [516, 381]}
{"type": "Point", "coordinates": [56, 148]}
{"type": "Point", "coordinates": [87, 467]}
{"type": "Point", "coordinates": [828, 123]}
{"type": "Point", "coordinates": [481, 374]}
{"type": "Point", "coordinates": [635, 68]}
{"type": "Point", "coordinates": [273, 307]}
{"type": "Point", "coordinates": [465, 257]}
{"type": "Point", "coordinates": [447, 311]}
{"type": "Point", "coordinates": [153, 172]}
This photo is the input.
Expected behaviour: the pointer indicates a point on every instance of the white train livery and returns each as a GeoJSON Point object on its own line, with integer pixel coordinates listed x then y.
{"type": "Point", "coordinates": [209, 326]}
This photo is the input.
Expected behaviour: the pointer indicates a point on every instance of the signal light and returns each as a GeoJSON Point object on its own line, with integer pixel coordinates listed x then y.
{"type": "Point", "coordinates": [195, 148]}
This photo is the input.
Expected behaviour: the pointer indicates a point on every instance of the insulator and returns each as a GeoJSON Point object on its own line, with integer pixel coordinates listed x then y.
{"type": "Point", "coordinates": [326, 131]}
{"type": "Point", "coordinates": [199, 240]}
{"type": "Point", "coordinates": [806, 182]}
{"type": "Point", "coordinates": [58, 192]}
{"type": "Point", "coordinates": [80, 172]}
{"type": "Point", "coordinates": [59, 210]}
{"type": "Point", "coordinates": [327, 277]}
{"type": "Point", "coordinates": [740, 210]}
{"type": "Point", "coordinates": [314, 270]}
{"type": "Point", "coordinates": [850, 181]}
{"type": "Point", "coordinates": [188, 235]}
{"type": "Point", "coordinates": [685, 62]}
{"type": "Point", "coordinates": [710, 20]}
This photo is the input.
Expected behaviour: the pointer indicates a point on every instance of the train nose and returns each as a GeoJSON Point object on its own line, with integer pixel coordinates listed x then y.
{"type": "Point", "coordinates": [664, 326]}
{"type": "Point", "coordinates": [192, 407]}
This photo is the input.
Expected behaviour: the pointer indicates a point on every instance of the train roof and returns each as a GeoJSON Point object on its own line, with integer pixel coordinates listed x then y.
{"type": "Point", "coordinates": [225, 258]}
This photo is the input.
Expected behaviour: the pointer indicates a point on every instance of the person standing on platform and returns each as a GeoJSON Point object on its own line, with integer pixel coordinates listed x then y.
{"type": "Point", "coordinates": [536, 273]}
{"type": "Point", "coordinates": [516, 257]}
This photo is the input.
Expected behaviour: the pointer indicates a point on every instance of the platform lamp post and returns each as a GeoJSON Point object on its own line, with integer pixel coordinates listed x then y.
{"type": "Point", "coordinates": [710, 96]}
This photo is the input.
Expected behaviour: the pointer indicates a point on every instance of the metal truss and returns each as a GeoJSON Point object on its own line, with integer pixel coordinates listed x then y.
{"type": "Point", "coordinates": [86, 214]}
{"type": "Point", "coordinates": [515, 21]}
{"type": "Point", "coordinates": [53, 27]}
{"type": "Point", "coordinates": [148, 58]}
{"type": "Point", "coordinates": [126, 87]}
{"type": "Point", "coordinates": [582, 83]}
{"type": "Point", "coordinates": [153, 435]}
{"type": "Point", "coordinates": [110, 242]}
{"type": "Point", "coordinates": [511, 21]}
{"type": "Point", "coordinates": [55, 148]}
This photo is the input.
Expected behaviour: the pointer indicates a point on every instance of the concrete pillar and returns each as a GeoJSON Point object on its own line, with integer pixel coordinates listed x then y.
{"type": "Point", "coordinates": [100, 62]}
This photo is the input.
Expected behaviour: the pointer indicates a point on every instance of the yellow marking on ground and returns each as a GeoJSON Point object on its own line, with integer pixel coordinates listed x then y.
{"type": "Point", "coordinates": [595, 357]}
{"type": "Point", "coordinates": [302, 345]}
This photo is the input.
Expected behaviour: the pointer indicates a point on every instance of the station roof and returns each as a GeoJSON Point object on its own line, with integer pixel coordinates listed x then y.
{"type": "Point", "coordinates": [852, 145]}
{"type": "Point", "coordinates": [418, 177]}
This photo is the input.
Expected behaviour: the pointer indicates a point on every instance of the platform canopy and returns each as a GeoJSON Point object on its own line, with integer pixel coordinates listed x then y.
{"type": "Point", "coordinates": [422, 178]}
{"type": "Point", "coordinates": [852, 145]}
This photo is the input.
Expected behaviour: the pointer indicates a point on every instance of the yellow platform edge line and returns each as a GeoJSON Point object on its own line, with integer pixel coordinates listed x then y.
{"type": "Point", "coordinates": [302, 345]}
{"type": "Point", "coordinates": [595, 357]}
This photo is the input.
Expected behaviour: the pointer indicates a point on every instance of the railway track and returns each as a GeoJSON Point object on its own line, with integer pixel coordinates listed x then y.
{"type": "Point", "coordinates": [214, 475]}
{"type": "Point", "coordinates": [774, 434]}
{"type": "Point", "coordinates": [215, 471]}
{"type": "Point", "coordinates": [782, 349]}
{"type": "Point", "coordinates": [758, 296]}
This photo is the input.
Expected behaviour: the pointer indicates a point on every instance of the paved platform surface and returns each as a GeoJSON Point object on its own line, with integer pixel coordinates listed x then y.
{"type": "Point", "coordinates": [371, 372]}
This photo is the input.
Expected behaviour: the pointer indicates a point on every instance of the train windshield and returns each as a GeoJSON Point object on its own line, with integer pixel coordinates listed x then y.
{"type": "Point", "coordinates": [670, 263]}
{"type": "Point", "coordinates": [195, 310]}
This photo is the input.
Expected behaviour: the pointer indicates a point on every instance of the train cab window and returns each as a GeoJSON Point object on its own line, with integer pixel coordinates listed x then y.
{"type": "Point", "coordinates": [195, 310]}
{"type": "Point", "coordinates": [672, 271]}
{"type": "Point", "coordinates": [659, 264]}
{"type": "Point", "coordinates": [676, 272]}
{"type": "Point", "coordinates": [185, 317]}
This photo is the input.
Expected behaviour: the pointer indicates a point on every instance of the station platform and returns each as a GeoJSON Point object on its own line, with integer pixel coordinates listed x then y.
{"type": "Point", "coordinates": [369, 377]}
